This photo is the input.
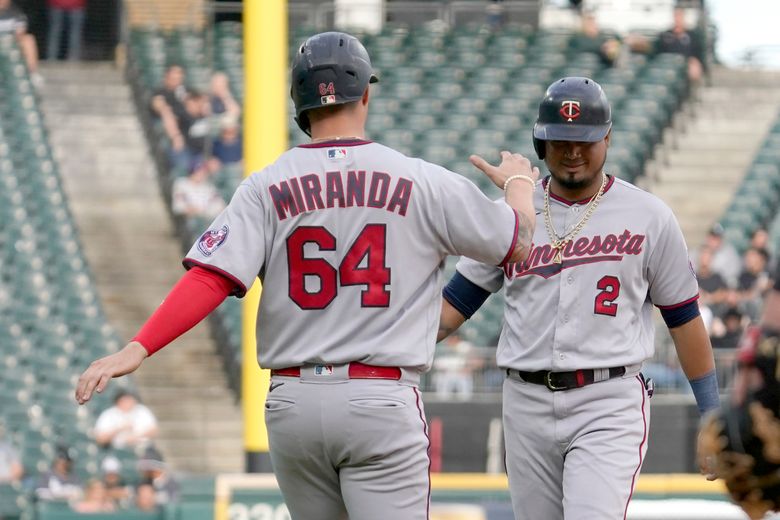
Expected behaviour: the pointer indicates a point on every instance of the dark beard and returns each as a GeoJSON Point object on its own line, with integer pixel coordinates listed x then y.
{"type": "Point", "coordinates": [570, 184]}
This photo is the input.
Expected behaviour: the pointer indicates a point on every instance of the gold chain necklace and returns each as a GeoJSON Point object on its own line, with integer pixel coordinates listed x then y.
{"type": "Point", "coordinates": [557, 242]}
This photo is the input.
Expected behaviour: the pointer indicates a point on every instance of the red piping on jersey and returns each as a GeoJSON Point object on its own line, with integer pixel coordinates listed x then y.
{"type": "Point", "coordinates": [677, 305]}
{"type": "Point", "coordinates": [610, 182]}
{"type": "Point", "coordinates": [514, 240]}
{"type": "Point", "coordinates": [193, 297]}
{"type": "Point", "coordinates": [641, 444]}
{"type": "Point", "coordinates": [336, 143]}
{"type": "Point", "coordinates": [427, 452]}
{"type": "Point", "coordinates": [238, 291]}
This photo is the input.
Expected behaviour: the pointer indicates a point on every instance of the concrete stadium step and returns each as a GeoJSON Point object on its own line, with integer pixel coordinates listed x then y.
{"type": "Point", "coordinates": [713, 142]}
{"type": "Point", "coordinates": [671, 176]}
{"type": "Point", "coordinates": [112, 189]}
{"type": "Point", "coordinates": [708, 159]}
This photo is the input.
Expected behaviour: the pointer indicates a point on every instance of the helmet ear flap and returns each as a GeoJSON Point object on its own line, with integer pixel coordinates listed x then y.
{"type": "Point", "coordinates": [540, 148]}
{"type": "Point", "coordinates": [303, 123]}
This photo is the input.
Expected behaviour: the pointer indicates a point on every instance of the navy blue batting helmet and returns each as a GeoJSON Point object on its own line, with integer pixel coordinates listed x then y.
{"type": "Point", "coordinates": [573, 109]}
{"type": "Point", "coordinates": [330, 68]}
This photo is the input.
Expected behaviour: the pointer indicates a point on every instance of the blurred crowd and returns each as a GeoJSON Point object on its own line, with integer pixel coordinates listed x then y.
{"type": "Point", "coordinates": [133, 474]}
{"type": "Point", "coordinates": [204, 132]}
{"type": "Point", "coordinates": [732, 286]}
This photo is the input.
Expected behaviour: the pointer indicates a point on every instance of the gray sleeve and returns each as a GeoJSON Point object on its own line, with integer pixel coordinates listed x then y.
{"type": "Point", "coordinates": [669, 271]}
{"type": "Point", "coordinates": [470, 224]}
{"type": "Point", "coordinates": [234, 244]}
{"type": "Point", "coordinates": [489, 277]}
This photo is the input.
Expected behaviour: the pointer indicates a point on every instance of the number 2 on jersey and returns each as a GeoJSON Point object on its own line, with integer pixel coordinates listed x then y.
{"type": "Point", "coordinates": [375, 275]}
{"type": "Point", "coordinates": [605, 300]}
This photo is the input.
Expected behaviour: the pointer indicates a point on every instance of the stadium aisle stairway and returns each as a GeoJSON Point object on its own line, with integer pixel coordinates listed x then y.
{"type": "Point", "coordinates": [128, 241]}
{"type": "Point", "coordinates": [711, 146]}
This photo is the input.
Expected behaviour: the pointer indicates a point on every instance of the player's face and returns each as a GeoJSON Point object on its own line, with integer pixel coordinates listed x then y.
{"type": "Point", "coordinates": [575, 166]}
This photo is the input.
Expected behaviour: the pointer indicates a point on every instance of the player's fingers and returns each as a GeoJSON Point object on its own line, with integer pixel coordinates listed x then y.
{"type": "Point", "coordinates": [89, 380]}
{"type": "Point", "coordinates": [85, 388]}
{"type": "Point", "coordinates": [479, 162]}
{"type": "Point", "coordinates": [102, 383]}
{"type": "Point", "coordinates": [535, 173]}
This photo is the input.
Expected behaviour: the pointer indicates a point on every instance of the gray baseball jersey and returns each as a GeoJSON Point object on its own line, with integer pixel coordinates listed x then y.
{"type": "Point", "coordinates": [348, 239]}
{"type": "Point", "coordinates": [595, 308]}
{"type": "Point", "coordinates": [577, 453]}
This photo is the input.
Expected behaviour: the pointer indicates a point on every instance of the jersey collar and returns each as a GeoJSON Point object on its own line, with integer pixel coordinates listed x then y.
{"type": "Point", "coordinates": [335, 142]}
{"type": "Point", "coordinates": [610, 182]}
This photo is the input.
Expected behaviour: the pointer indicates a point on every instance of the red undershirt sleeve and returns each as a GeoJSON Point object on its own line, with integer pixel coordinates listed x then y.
{"type": "Point", "coordinates": [196, 294]}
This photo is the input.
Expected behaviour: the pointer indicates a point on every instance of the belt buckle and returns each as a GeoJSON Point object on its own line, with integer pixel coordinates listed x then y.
{"type": "Point", "coordinates": [548, 382]}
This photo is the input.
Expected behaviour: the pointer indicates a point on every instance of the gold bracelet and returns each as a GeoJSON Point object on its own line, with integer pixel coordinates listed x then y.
{"type": "Point", "coordinates": [520, 177]}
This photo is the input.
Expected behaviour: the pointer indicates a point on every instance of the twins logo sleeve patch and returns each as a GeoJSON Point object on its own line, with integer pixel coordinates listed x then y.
{"type": "Point", "coordinates": [212, 239]}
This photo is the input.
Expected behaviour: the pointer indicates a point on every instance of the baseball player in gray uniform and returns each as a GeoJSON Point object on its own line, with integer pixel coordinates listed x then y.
{"type": "Point", "coordinates": [578, 320]}
{"type": "Point", "coordinates": [348, 238]}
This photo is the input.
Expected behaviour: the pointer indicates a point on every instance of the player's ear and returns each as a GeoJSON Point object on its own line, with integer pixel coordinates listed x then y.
{"type": "Point", "coordinates": [364, 98]}
{"type": "Point", "coordinates": [607, 137]}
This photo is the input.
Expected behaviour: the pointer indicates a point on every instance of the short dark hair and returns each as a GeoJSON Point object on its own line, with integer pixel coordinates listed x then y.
{"type": "Point", "coordinates": [123, 392]}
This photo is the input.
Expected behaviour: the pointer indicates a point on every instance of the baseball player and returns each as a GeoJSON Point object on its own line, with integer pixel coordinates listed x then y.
{"type": "Point", "coordinates": [348, 238]}
{"type": "Point", "coordinates": [578, 320]}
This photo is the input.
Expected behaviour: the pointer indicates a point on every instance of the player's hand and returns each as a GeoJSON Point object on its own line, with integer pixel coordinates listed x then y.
{"type": "Point", "coordinates": [511, 164]}
{"type": "Point", "coordinates": [96, 377]}
{"type": "Point", "coordinates": [706, 462]}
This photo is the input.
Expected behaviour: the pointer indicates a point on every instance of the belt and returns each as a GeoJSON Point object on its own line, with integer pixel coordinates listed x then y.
{"type": "Point", "coordinates": [556, 381]}
{"type": "Point", "coordinates": [356, 371]}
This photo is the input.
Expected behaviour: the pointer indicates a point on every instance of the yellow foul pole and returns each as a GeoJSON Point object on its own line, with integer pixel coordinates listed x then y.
{"type": "Point", "coordinates": [265, 138]}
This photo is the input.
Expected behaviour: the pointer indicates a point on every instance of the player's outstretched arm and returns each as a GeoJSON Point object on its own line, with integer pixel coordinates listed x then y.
{"type": "Point", "coordinates": [197, 293]}
{"type": "Point", "coordinates": [95, 378]}
{"type": "Point", "coordinates": [517, 178]}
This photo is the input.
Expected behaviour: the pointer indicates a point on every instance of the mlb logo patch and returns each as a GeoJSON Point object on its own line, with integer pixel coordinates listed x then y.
{"type": "Point", "coordinates": [323, 370]}
{"type": "Point", "coordinates": [335, 154]}
{"type": "Point", "coordinates": [212, 239]}
{"type": "Point", "coordinates": [327, 100]}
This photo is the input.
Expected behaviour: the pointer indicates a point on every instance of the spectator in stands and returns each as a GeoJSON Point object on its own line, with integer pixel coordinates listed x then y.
{"type": "Point", "coordinates": [713, 288]}
{"type": "Point", "coordinates": [220, 97]}
{"type": "Point", "coordinates": [229, 148]}
{"type": "Point", "coordinates": [189, 132]}
{"type": "Point", "coordinates": [126, 424]}
{"type": "Point", "coordinates": [753, 281]}
{"type": "Point", "coordinates": [154, 471]}
{"type": "Point", "coordinates": [173, 91]}
{"type": "Point", "coordinates": [13, 20]}
{"type": "Point", "coordinates": [679, 40]}
{"type": "Point", "coordinates": [145, 499]}
{"type": "Point", "coordinates": [454, 367]}
{"type": "Point", "coordinates": [96, 499]}
{"type": "Point", "coordinates": [58, 10]}
{"type": "Point", "coordinates": [494, 14]}
{"type": "Point", "coordinates": [115, 485]}
{"type": "Point", "coordinates": [195, 195]}
{"type": "Point", "coordinates": [11, 469]}
{"type": "Point", "coordinates": [760, 239]}
{"type": "Point", "coordinates": [591, 39]}
{"type": "Point", "coordinates": [59, 482]}
{"type": "Point", "coordinates": [725, 259]}
{"type": "Point", "coordinates": [727, 331]}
